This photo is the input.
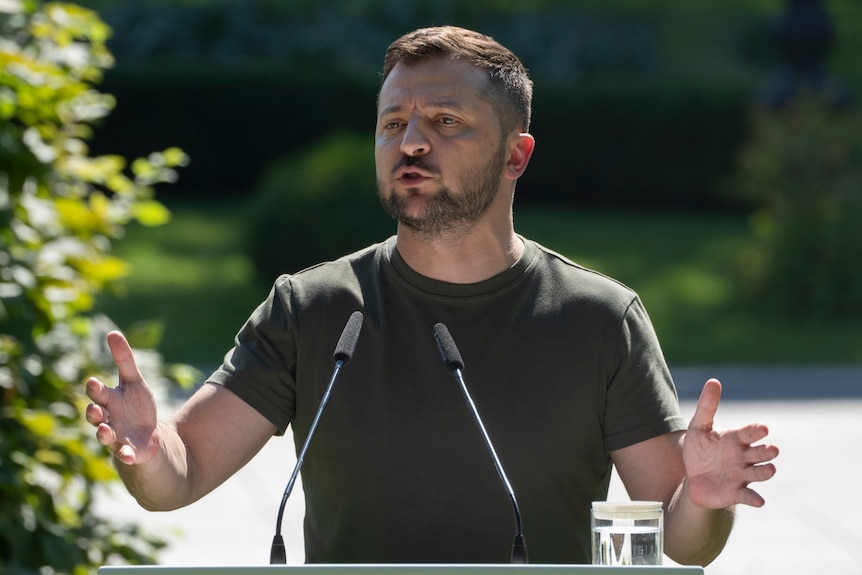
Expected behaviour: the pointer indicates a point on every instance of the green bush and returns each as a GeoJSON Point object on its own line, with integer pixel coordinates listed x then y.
{"type": "Point", "coordinates": [603, 144]}
{"type": "Point", "coordinates": [234, 123]}
{"type": "Point", "coordinates": [317, 206]}
{"type": "Point", "coordinates": [803, 167]}
{"type": "Point", "coordinates": [60, 209]}
{"type": "Point", "coordinates": [636, 103]}
{"type": "Point", "coordinates": [639, 144]}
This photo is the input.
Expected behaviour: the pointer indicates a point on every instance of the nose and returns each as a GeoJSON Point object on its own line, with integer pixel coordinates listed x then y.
{"type": "Point", "coordinates": [414, 142]}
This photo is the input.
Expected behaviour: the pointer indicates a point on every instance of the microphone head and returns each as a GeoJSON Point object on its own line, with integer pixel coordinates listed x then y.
{"type": "Point", "coordinates": [349, 337]}
{"type": "Point", "coordinates": [446, 345]}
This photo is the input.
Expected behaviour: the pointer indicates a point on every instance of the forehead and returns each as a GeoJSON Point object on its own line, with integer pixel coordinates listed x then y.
{"type": "Point", "coordinates": [430, 82]}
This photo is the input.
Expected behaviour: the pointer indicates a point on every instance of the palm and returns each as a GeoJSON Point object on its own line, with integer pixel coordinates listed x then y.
{"type": "Point", "coordinates": [133, 417]}
{"type": "Point", "coordinates": [721, 464]}
{"type": "Point", "coordinates": [125, 415]}
{"type": "Point", "coordinates": [711, 466]}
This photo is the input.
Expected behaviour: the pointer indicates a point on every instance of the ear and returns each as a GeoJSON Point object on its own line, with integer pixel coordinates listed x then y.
{"type": "Point", "coordinates": [521, 147]}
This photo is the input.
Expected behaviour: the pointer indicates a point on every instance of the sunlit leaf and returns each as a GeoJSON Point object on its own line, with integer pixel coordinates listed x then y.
{"type": "Point", "coordinates": [146, 334]}
{"type": "Point", "coordinates": [175, 157]}
{"type": "Point", "coordinates": [185, 375]}
{"type": "Point", "coordinates": [98, 468]}
{"type": "Point", "coordinates": [144, 169]}
{"type": "Point", "coordinates": [74, 214]}
{"type": "Point", "coordinates": [119, 183]}
{"type": "Point", "coordinates": [60, 211]}
{"type": "Point", "coordinates": [49, 457]}
{"type": "Point", "coordinates": [152, 213]}
{"type": "Point", "coordinates": [8, 103]}
{"type": "Point", "coordinates": [103, 270]}
{"type": "Point", "coordinates": [40, 423]}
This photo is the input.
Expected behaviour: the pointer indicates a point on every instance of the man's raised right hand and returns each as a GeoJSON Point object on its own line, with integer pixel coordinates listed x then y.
{"type": "Point", "coordinates": [124, 416]}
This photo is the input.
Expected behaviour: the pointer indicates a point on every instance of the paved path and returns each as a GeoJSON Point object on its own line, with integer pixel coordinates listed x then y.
{"type": "Point", "coordinates": [810, 524]}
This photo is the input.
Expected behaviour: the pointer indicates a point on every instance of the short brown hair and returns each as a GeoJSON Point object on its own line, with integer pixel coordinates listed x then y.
{"type": "Point", "coordinates": [511, 87]}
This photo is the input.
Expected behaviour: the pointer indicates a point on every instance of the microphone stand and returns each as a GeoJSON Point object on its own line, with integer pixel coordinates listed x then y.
{"type": "Point", "coordinates": [453, 361]}
{"type": "Point", "coordinates": [343, 352]}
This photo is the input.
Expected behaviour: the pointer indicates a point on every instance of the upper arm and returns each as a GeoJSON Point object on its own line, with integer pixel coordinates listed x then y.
{"type": "Point", "coordinates": [221, 433]}
{"type": "Point", "coordinates": [653, 469]}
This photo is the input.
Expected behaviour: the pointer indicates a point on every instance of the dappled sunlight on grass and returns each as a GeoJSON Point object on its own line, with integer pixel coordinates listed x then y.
{"type": "Point", "coordinates": [683, 267]}
{"type": "Point", "coordinates": [194, 277]}
{"type": "Point", "coordinates": [154, 271]}
{"type": "Point", "coordinates": [201, 248]}
{"type": "Point", "coordinates": [684, 289]}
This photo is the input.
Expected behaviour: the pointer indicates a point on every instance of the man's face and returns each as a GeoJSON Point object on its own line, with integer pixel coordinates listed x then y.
{"type": "Point", "coordinates": [439, 149]}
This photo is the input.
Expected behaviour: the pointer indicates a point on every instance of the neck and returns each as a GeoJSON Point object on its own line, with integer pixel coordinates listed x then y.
{"type": "Point", "coordinates": [463, 258]}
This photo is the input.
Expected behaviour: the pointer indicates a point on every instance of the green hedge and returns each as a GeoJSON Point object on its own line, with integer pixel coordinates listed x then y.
{"type": "Point", "coordinates": [803, 168]}
{"type": "Point", "coordinates": [634, 103]}
{"type": "Point", "coordinates": [316, 206]}
{"type": "Point", "coordinates": [233, 123]}
{"type": "Point", "coordinates": [596, 145]}
{"type": "Point", "coordinates": [638, 145]}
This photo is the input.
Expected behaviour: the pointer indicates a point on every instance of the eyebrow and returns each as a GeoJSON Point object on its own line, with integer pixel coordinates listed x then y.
{"type": "Point", "coordinates": [447, 104]}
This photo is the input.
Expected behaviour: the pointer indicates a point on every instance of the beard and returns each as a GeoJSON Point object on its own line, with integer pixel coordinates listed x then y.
{"type": "Point", "coordinates": [447, 211]}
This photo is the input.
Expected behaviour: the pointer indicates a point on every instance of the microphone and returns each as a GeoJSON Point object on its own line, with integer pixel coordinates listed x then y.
{"type": "Point", "coordinates": [454, 363]}
{"type": "Point", "coordinates": [343, 352]}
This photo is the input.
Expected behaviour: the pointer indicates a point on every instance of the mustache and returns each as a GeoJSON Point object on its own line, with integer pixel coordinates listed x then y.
{"type": "Point", "coordinates": [414, 162]}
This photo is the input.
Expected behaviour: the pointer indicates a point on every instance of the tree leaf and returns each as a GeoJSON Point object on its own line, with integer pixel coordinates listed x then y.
{"type": "Point", "coordinates": [151, 213]}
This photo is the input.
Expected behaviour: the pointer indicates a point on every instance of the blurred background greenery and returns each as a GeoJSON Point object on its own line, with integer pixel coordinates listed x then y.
{"type": "Point", "coordinates": [663, 159]}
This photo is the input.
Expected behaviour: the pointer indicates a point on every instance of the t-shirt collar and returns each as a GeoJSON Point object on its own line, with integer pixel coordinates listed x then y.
{"type": "Point", "coordinates": [448, 289]}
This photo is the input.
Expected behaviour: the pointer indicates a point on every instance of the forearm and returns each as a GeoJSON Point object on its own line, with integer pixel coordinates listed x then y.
{"type": "Point", "coordinates": [695, 535]}
{"type": "Point", "coordinates": [163, 483]}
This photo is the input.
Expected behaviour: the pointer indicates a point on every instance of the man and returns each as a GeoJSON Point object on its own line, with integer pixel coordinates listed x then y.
{"type": "Point", "coordinates": [562, 362]}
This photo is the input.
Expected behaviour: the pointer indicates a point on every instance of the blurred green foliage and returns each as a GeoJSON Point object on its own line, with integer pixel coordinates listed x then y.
{"type": "Point", "coordinates": [644, 103]}
{"type": "Point", "coordinates": [685, 268]}
{"type": "Point", "coordinates": [315, 207]}
{"type": "Point", "coordinates": [803, 169]}
{"type": "Point", "coordinates": [194, 273]}
{"type": "Point", "coordinates": [193, 276]}
{"type": "Point", "coordinates": [60, 209]}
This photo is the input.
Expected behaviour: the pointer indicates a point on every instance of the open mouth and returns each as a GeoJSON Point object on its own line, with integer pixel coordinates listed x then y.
{"type": "Point", "coordinates": [412, 174]}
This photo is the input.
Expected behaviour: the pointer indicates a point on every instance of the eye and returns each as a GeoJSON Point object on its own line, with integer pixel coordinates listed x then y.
{"type": "Point", "coordinates": [389, 125]}
{"type": "Point", "coordinates": [448, 121]}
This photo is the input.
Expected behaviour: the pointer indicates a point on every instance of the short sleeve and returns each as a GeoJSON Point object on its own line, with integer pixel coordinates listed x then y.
{"type": "Point", "coordinates": [641, 400]}
{"type": "Point", "coordinates": [261, 367]}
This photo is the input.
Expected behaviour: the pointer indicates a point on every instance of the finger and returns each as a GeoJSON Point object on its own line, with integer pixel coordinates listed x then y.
{"type": "Point", "coordinates": [759, 473]}
{"type": "Point", "coordinates": [105, 434]}
{"type": "Point", "coordinates": [750, 497]}
{"type": "Point", "coordinates": [752, 433]}
{"type": "Point", "coordinates": [707, 405]}
{"type": "Point", "coordinates": [124, 358]}
{"type": "Point", "coordinates": [761, 454]}
{"type": "Point", "coordinates": [96, 390]}
{"type": "Point", "coordinates": [126, 454]}
{"type": "Point", "coordinates": [96, 414]}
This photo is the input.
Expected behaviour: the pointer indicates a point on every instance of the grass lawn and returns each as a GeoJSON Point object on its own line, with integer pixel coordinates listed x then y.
{"type": "Point", "coordinates": [682, 267]}
{"type": "Point", "coordinates": [193, 277]}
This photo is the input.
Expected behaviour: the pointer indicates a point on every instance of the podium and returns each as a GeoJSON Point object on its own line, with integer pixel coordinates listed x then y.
{"type": "Point", "coordinates": [404, 569]}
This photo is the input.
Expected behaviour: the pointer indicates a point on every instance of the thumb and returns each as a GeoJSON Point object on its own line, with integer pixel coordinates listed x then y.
{"type": "Point", "coordinates": [124, 358]}
{"type": "Point", "coordinates": [707, 406]}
